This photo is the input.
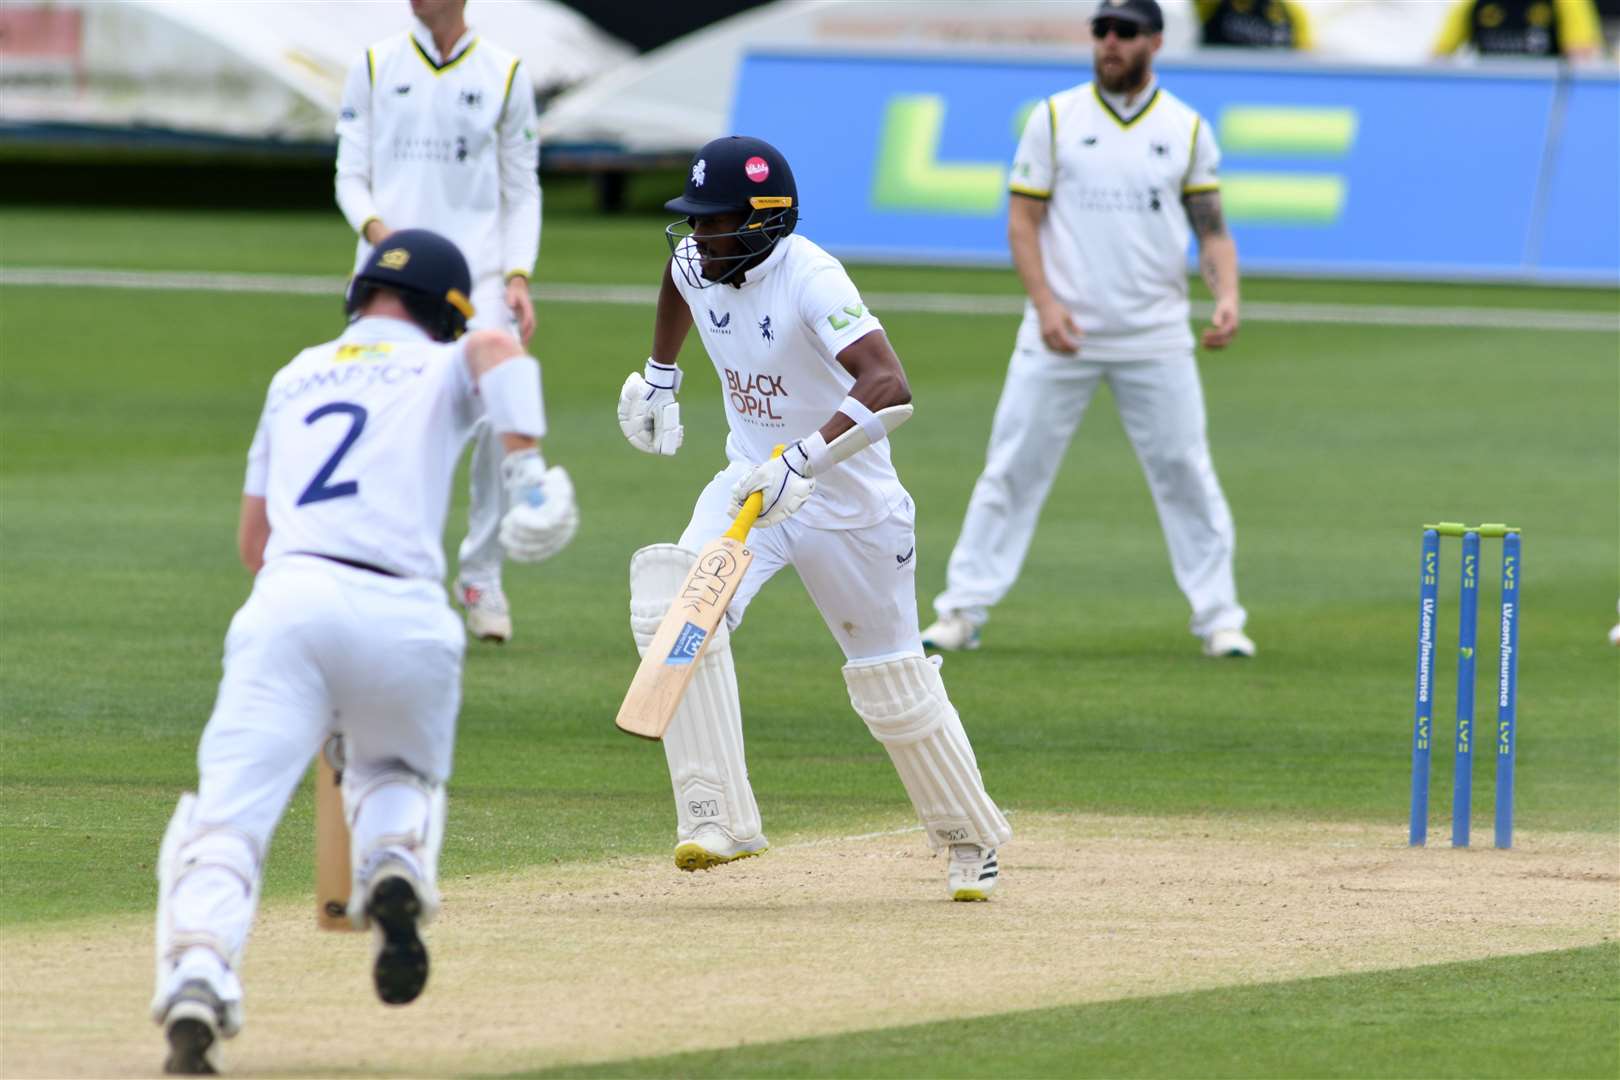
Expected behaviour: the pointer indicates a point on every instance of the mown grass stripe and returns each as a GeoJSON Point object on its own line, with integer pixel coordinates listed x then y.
{"type": "Point", "coordinates": [1553, 1014]}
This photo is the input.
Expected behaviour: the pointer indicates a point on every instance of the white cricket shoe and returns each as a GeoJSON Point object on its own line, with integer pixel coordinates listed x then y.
{"type": "Point", "coordinates": [1228, 643]}
{"type": "Point", "coordinates": [193, 1021]}
{"type": "Point", "coordinates": [394, 908]}
{"type": "Point", "coordinates": [973, 872]}
{"type": "Point", "coordinates": [488, 617]}
{"type": "Point", "coordinates": [951, 632]}
{"type": "Point", "coordinates": [712, 846]}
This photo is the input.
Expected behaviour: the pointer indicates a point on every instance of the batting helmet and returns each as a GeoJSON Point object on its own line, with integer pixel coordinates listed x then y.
{"type": "Point", "coordinates": [430, 275]}
{"type": "Point", "coordinates": [734, 175]}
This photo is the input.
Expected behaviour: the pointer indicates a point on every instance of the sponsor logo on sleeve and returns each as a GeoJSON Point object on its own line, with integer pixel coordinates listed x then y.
{"type": "Point", "coordinates": [854, 311]}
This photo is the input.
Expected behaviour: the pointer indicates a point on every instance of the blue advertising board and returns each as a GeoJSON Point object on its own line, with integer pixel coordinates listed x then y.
{"type": "Point", "coordinates": [1326, 170]}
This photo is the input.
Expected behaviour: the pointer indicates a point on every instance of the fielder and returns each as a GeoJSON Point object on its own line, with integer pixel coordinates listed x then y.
{"type": "Point", "coordinates": [347, 629]}
{"type": "Point", "coordinates": [801, 360]}
{"type": "Point", "coordinates": [437, 131]}
{"type": "Point", "coordinates": [1110, 180]}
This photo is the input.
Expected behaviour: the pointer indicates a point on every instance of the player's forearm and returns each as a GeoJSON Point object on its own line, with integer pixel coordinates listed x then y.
{"type": "Point", "coordinates": [1024, 238]}
{"type": "Point", "coordinates": [355, 201]}
{"type": "Point", "coordinates": [880, 382]}
{"type": "Point", "coordinates": [1217, 264]}
{"type": "Point", "coordinates": [520, 227]}
{"type": "Point", "coordinates": [253, 532]}
{"type": "Point", "coordinates": [672, 323]}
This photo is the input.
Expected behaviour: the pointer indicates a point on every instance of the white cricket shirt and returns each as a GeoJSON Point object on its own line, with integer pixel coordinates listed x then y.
{"type": "Point", "coordinates": [443, 143]}
{"type": "Point", "coordinates": [774, 343]}
{"type": "Point", "coordinates": [357, 446]}
{"type": "Point", "coordinates": [1114, 240]}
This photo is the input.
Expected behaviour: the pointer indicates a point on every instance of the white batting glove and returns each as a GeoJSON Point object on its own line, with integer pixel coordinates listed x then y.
{"type": "Point", "coordinates": [544, 515]}
{"type": "Point", "coordinates": [648, 413]}
{"type": "Point", "coordinates": [785, 482]}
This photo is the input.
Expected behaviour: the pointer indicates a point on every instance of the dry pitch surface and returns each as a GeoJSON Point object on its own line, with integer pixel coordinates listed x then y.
{"type": "Point", "coordinates": [631, 958]}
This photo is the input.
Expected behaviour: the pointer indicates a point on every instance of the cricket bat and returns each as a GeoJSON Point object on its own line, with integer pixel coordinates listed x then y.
{"type": "Point", "coordinates": [332, 876]}
{"type": "Point", "coordinates": [672, 658]}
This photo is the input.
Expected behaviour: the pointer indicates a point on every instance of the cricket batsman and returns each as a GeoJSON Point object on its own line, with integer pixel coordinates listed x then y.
{"type": "Point", "coordinates": [801, 361]}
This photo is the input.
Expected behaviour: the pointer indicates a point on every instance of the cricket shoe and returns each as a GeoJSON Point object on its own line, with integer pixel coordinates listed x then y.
{"type": "Point", "coordinates": [193, 1023]}
{"type": "Point", "coordinates": [394, 906]}
{"type": "Point", "coordinates": [951, 632]}
{"type": "Point", "coordinates": [1228, 642]}
{"type": "Point", "coordinates": [712, 846]}
{"type": "Point", "coordinates": [973, 872]}
{"type": "Point", "coordinates": [488, 617]}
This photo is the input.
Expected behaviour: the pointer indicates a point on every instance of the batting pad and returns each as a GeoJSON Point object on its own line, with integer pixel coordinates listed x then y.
{"type": "Point", "coordinates": [704, 743]}
{"type": "Point", "coordinates": [906, 708]}
{"type": "Point", "coordinates": [208, 891]}
{"type": "Point", "coordinates": [393, 814]}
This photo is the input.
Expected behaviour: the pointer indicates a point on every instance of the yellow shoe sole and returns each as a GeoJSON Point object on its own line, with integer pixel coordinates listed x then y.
{"type": "Point", "coordinates": [691, 857]}
{"type": "Point", "coordinates": [970, 894]}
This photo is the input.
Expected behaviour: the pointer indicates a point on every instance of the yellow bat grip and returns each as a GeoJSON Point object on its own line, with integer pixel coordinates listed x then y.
{"type": "Point", "coordinates": [750, 508]}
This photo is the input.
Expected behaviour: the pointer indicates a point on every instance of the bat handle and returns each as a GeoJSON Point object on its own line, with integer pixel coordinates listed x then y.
{"type": "Point", "coordinates": [751, 508]}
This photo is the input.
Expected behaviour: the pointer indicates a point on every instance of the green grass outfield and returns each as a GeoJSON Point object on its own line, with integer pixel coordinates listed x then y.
{"type": "Point", "coordinates": [1412, 1022]}
{"type": "Point", "coordinates": [125, 415]}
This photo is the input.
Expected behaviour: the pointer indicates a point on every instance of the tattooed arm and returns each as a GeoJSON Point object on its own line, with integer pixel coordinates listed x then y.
{"type": "Point", "coordinates": [1217, 262]}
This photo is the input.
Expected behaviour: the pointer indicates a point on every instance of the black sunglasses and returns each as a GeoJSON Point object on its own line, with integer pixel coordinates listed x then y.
{"type": "Point", "coordinates": [1125, 31]}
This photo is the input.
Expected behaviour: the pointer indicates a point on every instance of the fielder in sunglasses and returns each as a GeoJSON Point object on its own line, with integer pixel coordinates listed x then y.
{"type": "Point", "coordinates": [1125, 31]}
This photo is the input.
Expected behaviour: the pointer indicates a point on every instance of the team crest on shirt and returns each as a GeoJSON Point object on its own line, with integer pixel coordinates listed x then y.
{"type": "Point", "coordinates": [765, 330]}
{"type": "Point", "coordinates": [473, 99]}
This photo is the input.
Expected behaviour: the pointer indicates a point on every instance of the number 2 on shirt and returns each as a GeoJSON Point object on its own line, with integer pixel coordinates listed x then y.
{"type": "Point", "coordinates": [319, 490]}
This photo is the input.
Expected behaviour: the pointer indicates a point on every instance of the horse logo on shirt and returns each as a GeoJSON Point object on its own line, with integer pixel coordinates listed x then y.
{"type": "Point", "coordinates": [765, 329]}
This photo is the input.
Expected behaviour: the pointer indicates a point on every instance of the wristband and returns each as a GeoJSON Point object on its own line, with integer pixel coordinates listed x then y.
{"type": "Point", "coordinates": [512, 400]}
{"type": "Point", "coordinates": [662, 376]}
{"type": "Point", "coordinates": [817, 460]}
{"type": "Point", "coordinates": [865, 419]}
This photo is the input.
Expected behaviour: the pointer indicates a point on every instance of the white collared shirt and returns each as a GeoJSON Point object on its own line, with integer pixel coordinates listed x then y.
{"type": "Point", "coordinates": [443, 143]}
{"type": "Point", "coordinates": [1114, 240]}
{"type": "Point", "coordinates": [774, 343]}
{"type": "Point", "coordinates": [357, 446]}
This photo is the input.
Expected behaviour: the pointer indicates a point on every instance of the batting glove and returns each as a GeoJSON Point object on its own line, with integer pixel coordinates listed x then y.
{"type": "Point", "coordinates": [648, 413]}
{"type": "Point", "coordinates": [785, 482]}
{"type": "Point", "coordinates": [544, 515]}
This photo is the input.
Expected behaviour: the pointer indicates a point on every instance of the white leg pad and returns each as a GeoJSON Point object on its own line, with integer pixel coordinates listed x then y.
{"type": "Point", "coordinates": [208, 892]}
{"type": "Point", "coordinates": [704, 743]}
{"type": "Point", "coordinates": [906, 708]}
{"type": "Point", "coordinates": [393, 814]}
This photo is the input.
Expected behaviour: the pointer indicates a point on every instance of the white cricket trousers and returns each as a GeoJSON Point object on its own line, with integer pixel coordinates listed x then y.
{"type": "Point", "coordinates": [319, 647]}
{"type": "Point", "coordinates": [480, 555]}
{"type": "Point", "coordinates": [863, 581]}
{"type": "Point", "coordinates": [1161, 405]}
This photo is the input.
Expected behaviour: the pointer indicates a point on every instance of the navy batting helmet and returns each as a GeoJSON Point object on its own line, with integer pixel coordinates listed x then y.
{"type": "Point", "coordinates": [735, 175]}
{"type": "Point", "coordinates": [430, 275]}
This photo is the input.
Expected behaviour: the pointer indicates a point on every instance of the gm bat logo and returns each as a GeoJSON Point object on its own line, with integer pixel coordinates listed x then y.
{"type": "Point", "coordinates": [688, 643]}
{"type": "Point", "coordinates": [708, 582]}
